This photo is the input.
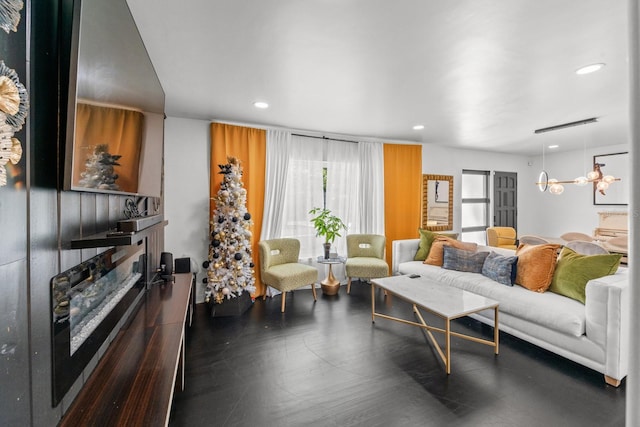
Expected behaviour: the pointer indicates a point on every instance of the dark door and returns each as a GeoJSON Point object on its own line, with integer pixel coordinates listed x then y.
{"type": "Point", "coordinates": [505, 206]}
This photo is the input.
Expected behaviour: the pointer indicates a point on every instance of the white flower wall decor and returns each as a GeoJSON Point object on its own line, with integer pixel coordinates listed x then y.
{"type": "Point", "coordinates": [14, 105]}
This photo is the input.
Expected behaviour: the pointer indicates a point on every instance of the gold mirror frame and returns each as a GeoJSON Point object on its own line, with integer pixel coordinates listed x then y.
{"type": "Point", "coordinates": [425, 203]}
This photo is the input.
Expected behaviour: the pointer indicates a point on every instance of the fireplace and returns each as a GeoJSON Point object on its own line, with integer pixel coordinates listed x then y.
{"type": "Point", "coordinates": [87, 302]}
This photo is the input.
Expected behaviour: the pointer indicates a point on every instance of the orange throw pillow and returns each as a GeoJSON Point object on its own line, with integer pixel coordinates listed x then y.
{"type": "Point", "coordinates": [436, 253]}
{"type": "Point", "coordinates": [536, 264]}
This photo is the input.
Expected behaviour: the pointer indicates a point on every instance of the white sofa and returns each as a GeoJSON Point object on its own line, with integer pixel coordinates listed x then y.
{"type": "Point", "coordinates": [595, 334]}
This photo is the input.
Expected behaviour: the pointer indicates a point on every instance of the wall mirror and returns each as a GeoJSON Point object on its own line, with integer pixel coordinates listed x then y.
{"type": "Point", "coordinates": [616, 165]}
{"type": "Point", "coordinates": [437, 202]}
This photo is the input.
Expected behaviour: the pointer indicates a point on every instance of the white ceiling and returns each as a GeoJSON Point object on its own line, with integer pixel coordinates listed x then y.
{"type": "Point", "coordinates": [480, 74]}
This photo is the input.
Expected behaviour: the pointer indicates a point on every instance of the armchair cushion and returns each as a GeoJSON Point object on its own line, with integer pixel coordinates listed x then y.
{"type": "Point", "coordinates": [366, 267]}
{"type": "Point", "coordinates": [289, 276]}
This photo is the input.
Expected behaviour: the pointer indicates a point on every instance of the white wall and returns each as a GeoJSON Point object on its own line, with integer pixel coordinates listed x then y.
{"type": "Point", "coordinates": [573, 210]}
{"type": "Point", "coordinates": [186, 198]}
{"type": "Point", "coordinates": [441, 160]}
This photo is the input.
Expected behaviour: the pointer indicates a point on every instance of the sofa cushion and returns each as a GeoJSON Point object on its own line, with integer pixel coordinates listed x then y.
{"type": "Point", "coordinates": [549, 309]}
{"type": "Point", "coordinates": [574, 270]}
{"type": "Point", "coordinates": [436, 253]}
{"type": "Point", "coordinates": [462, 260]}
{"type": "Point", "coordinates": [536, 264]}
{"type": "Point", "coordinates": [500, 268]}
{"type": "Point", "coordinates": [426, 239]}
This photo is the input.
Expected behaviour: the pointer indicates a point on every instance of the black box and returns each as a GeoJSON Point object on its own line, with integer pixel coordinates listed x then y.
{"type": "Point", "coordinates": [183, 265]}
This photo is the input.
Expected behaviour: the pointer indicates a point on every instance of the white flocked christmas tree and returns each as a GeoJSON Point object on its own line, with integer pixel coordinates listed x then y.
{"type": "Point", "coordinates": [230, 268]}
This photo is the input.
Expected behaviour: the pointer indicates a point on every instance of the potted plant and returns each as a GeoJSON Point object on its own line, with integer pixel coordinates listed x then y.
{"type": "Point", "coordinates": [326, 225]}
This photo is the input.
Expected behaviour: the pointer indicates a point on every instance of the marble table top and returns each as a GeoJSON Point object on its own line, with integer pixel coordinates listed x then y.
{"type": "Point", "coordinates": [446, 301]}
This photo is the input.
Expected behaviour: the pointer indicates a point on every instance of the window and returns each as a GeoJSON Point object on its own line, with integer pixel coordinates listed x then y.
{"type": "Point", "coordinates": [321, 174]}
{"type": "Point", "coordinates": [475, 205]}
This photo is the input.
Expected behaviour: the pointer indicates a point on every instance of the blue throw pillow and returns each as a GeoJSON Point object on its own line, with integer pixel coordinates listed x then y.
{"type": "Point", "coordinates": [461, 260]}
{"type": "Point", "coordinates": [500, 268]}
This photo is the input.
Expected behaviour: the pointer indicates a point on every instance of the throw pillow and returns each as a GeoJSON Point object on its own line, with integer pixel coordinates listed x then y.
{"type": "Point", "coordinates": [536, 264]}
{"type": "Point", "coordinates": [462, 260]}
{"type": "Point", "coordinates": [436, 253]}
{"type": "Point", "coordinates": [426, 239]}
{"type": "Point", "coordinates": [500, 268]}
{"type": "Point", "coordinates": [574, 270]}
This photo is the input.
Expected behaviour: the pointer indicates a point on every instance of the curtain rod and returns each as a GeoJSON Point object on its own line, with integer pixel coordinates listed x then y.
{"type": "Point", "coordinates": [566, 125]}
{"type": "Point", "coordinates": [324, 137]}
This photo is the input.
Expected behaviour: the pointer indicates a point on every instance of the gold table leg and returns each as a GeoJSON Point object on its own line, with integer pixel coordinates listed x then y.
{"type": "Point", "coordinates": [330, 285]}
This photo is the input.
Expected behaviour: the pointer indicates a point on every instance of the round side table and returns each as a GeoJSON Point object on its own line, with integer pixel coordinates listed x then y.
{"type": "Point", "coordinates": [330, 285]}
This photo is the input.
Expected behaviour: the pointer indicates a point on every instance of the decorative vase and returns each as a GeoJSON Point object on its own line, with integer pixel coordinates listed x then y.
{"type": "Point", "coordinates": [327, 250]}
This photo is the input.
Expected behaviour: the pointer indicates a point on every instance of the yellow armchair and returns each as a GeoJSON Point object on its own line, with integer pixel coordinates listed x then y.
{"type": "Point", "coordinates": [501, 237]}
{"type": "Point", "coordinates": [365, 257]}
{"type": "Point", "coordinates": [280, 269]}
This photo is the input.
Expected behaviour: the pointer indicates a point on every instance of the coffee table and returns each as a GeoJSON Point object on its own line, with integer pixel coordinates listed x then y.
{"type": "Point", "coordinates": [444, 301]}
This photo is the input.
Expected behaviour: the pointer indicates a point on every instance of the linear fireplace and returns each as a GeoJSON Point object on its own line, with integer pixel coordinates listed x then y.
{"type": "Point", "coordinates": [87, 302]}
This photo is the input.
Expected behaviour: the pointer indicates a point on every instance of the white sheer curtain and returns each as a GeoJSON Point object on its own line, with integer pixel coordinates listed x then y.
{"type": "Point", "coordinates": [343, 181]}
{"type": "Point", "coordinates": [277, 168]}
{"type": "Point", "coordinates": [294, 185]}
{"type": "Point", "coordinates": [371, 189]}
{"type": "Point", "coordinates": [303, 192]}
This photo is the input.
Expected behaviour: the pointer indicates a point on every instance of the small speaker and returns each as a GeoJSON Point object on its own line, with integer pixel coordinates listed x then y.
{"type": "Point", "coordinates": [166, 266]}
{"type": "Point", "coordinates": [183, 265]}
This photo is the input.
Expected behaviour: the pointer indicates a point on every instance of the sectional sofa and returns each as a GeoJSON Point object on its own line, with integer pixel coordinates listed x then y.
{"type": "Point", "coordinates": [594, 334]}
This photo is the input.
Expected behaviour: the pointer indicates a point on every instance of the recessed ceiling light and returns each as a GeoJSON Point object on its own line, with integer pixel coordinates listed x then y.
{"type": "Point", "coordinates": [589, 68]}
{"type": "Point", "coordinates": [553, 146]}
{"type": "Point", "coordinates": [261, 104]}
{"type": "Point", "coordinates": [418, 127]}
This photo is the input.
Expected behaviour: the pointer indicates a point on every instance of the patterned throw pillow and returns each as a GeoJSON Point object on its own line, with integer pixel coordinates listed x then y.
{"type": "Point", "coordinates": [500, 268]}
{"type": "Point", "coordinates": [462, 260]}
{"type": "Point", "coordinates": [436, 253]}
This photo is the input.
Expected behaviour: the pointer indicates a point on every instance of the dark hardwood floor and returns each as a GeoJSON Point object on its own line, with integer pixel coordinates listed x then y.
{"type": "Point", "coordinates": [326, 364]}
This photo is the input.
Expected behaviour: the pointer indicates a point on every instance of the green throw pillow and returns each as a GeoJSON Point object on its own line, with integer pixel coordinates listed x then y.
{"type": "Point", "coordinates": [426, 239]}
{"type": "Point", "coordinates": [574, 270]}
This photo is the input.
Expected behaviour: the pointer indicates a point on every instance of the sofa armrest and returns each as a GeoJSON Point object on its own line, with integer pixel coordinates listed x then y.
{"type": "Point", "coordinates": [607, 320]}
{"type": "Point", "coordinates": [403, 251]}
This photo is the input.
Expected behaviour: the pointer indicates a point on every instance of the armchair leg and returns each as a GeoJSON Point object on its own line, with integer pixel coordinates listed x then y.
{"type": "Point", "coordinates": [313, 290]}
{"type": "Point", "coordinates": [283, 301]}
{"type": "Point", "coordinates": [349, 285]}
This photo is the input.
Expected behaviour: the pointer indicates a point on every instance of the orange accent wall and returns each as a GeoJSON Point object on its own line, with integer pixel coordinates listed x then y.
{"type": "Point", "coordinates": [402, 192]}
{"type": "Point", "coordinates": [248, 145]}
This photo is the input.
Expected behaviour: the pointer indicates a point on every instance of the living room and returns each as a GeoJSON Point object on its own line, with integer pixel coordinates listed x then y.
{"type": "Point", "coordinates": [40, 219]}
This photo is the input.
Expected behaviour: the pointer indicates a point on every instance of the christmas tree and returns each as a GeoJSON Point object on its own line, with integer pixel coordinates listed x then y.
{"type": "Point", "coordinates": [230, 268]}
{"type": "Point", "coordinates": [99, 169]}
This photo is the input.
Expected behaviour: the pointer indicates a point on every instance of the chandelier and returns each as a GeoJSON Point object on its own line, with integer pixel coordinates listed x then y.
{"type": "Point", "coordinates": [599, 181]}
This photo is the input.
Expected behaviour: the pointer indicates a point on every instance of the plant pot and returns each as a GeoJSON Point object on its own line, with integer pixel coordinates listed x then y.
{"type": "Point", "coordinates": [327, 250]}
{"type": "Point", "coordinates": [231, 307]}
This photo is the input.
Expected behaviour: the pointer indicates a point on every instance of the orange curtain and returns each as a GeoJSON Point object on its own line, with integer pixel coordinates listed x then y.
{"type": "Point", "coordinates": [249, 146]}
{"type": "Point", "coordinates": [120, 130]}
{"type": "Point", "coordinates": [402, 192]}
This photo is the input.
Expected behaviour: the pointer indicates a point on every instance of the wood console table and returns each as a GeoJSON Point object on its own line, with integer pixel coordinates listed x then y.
{"type": "Point", "coordinates": [134, 381]}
